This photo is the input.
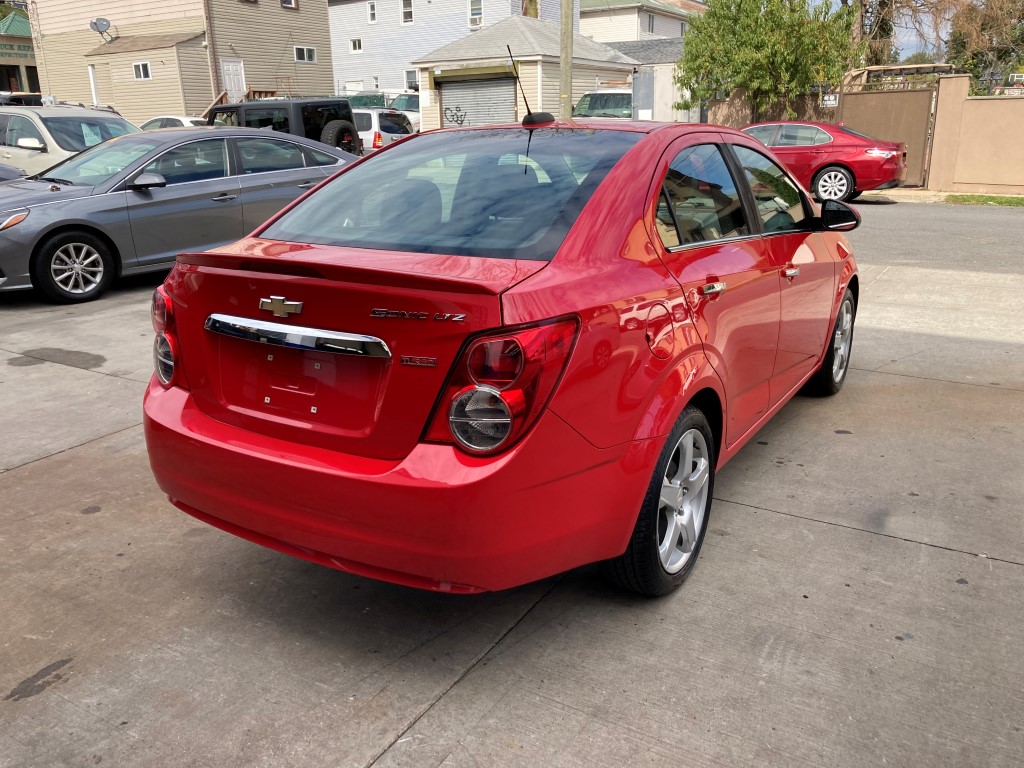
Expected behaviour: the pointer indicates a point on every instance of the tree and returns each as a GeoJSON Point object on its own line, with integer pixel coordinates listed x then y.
{"type": "Point", "coordinates": [776, 49]}
{"type": "Point", "coordinates": [919, 57]}
{"type": "Point", "coordinates": [987, 39]}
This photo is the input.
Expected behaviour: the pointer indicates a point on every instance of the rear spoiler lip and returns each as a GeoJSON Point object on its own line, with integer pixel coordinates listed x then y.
{"type": "Point", "coordinates": [450, 274]}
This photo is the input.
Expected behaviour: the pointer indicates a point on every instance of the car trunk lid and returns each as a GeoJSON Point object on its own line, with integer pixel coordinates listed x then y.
{"type": "Point", "coordinates": [253, 360]}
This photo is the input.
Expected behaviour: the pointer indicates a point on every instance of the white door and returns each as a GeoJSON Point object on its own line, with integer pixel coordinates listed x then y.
{"type": "Point", "coordinates": [233, 74]}
{"type": "Point", "coordinates": [478, 102]}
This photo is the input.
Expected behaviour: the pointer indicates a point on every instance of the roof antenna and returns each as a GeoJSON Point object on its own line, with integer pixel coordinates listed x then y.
{"type": "Point", "coordinates": [531, 118]}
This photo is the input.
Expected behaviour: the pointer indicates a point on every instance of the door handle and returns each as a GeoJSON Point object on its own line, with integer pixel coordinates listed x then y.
{"type": "Point", "coordinates": [710, 289]}
{"type": "Point", "coordinates": [791, 272]}
{"type": "Point", "coordinates": [223, 198]}
{"type": "Point", "coordinates": [307, 185]}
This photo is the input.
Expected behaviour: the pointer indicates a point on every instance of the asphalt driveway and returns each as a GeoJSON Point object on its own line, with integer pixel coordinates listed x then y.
{"type": "Point", "coordinates": [859, 600]}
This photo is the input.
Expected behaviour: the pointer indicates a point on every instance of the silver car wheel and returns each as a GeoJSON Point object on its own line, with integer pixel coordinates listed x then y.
{"type": "Point", "coordinates": [833, 185]}
{"type": "Point", "coordinates": [684, 500]}
{"type": "Point", "coordinates": [842, 341]}
{"type": "Point", "coordinates": [77, 268]}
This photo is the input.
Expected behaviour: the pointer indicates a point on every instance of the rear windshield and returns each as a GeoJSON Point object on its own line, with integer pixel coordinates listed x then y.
{"type": "Point", "coordinates": [73, 134]}
{"type": "Point", "coordinates": [492, 193]}
{"type": "Point", "coordinates": [396, 123]}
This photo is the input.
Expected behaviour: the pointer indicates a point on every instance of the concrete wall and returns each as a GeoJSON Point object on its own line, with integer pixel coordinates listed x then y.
{"type": "Point", "coordinates": [976, 146]}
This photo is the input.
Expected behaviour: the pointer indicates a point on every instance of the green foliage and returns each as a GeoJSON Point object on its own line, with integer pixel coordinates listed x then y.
{"type": "Point", "coordinates": [776, 49]}
{"type": "Point", "coordinates": [987, 39]}
{"type": "Point", "coordinates": [921, 57]}
{"type": "Point", "coordinates": [1014, 202]}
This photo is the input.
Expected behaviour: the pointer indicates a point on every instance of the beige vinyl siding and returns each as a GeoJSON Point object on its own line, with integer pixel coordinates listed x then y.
{"type": "Point", "coordinates": [528, 77]}
{"type": "Point", "coordinates": [264, 36]}
{"type": "Point", "coordinates": [552, 75]}
{"type": "Point", "coordinates": [52, 17]}
{"type": "Point", "coordinates": [591, 78]}
{"type": "Point", "coordinates": [194, 70]}
{"type": "Point", "coordinates": [139, 100]}
{"type": "Point", "coordinates": [62, 62]}
{"type": "Point", "coordinates": [430, 114]}
{"type": "Point", "coordinates": [610, 26]}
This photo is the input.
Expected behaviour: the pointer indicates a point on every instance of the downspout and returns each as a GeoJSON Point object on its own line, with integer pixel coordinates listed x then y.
{"type": "Point", "coordinates": [211, 49]}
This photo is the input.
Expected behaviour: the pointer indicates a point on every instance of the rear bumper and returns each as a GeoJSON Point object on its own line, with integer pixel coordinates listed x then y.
{"type": "Point", "coordinates": [438, 519]}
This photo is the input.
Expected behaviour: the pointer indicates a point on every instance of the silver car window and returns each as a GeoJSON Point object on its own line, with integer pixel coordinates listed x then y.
{"type": "Point", "coordinates": [102, 162]}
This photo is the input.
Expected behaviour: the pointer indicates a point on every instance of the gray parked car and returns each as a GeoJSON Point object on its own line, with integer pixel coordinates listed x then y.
{"type": "Point", "coordinates": [133, 203]}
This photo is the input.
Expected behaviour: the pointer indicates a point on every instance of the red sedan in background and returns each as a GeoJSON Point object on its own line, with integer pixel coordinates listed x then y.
{"type": "Point", "coordinates": [833, 161]}
{"type": "Point", "coordinates": [487, 355]}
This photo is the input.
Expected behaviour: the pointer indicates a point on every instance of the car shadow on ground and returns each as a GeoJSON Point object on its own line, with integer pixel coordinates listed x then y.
{"type": "Point", "coordinates": [874, 201]}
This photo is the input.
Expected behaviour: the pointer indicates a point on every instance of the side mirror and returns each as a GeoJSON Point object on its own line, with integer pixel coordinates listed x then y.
{"type": "Point", "coordinates": [148, 181]}
{"type": "Point", "coordinates": [838, 217]}
{"type": "Point", "coordinates": [30, 142]}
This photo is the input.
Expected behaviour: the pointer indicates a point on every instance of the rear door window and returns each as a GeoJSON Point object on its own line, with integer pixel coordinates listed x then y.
{"type": "Point", "coordinates": [259, 155]}
{"type": "Point", "coordinates": [363, 122]}
{"type": "Point", "coordinates": [228, 117]}
{"type": "Point", "coordinates": [702, 198]}
{"type": "Point", "coordinates": [508, 193]}
{"type": "Point", "coordinates": [275, 118]}
{"type": "Point", "coordinates": [796, 136]}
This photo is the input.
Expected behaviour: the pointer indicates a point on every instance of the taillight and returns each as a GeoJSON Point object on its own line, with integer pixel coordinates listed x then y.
{"type": "Point", "coordinates": [165, 345]}
{"type": "Point", "coordinates": [500, 385]}
{"type": "Point", "coordinates": [884, 153]}
{"type": "Point", "coordinates": [378, 140]}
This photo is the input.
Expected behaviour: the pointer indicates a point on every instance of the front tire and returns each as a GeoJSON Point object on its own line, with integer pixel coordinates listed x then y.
{"type": "Point", "coordinates": [674, 515]}
{"type": "Point", "coordinates": [833, 183]}
{"type": "Point", "coordinates": [836, 363]}
{"type": "Point", "coordinates": [73, 267]}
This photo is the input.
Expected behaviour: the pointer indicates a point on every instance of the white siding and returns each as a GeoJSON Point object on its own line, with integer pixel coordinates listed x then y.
{"type": "Point", "coordinates": [610, 26]}
{"type": "Point", "coordinates": [51, 17]}
{"type": "Point", "coordinates": [664, 26]}
{"type": "Point", "coordinates": [389, 46]}
{"type": "Point", "coordinates": [551, 10]}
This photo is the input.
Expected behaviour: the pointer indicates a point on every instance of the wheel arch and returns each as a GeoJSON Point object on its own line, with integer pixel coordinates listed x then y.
{"type": "Point", "coordinates": [854, 286]}
{"type": "Point", "coordinates": [89, 229]}
{"type": "Point", "coordinates": [710, 404]}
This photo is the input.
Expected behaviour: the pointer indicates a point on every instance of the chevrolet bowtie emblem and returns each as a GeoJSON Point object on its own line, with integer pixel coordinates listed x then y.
{"type": "Point", "coordinates": [280, 306]}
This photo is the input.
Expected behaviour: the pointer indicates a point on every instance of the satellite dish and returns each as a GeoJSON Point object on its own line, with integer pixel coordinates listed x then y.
{"type": "Point", "coordinates": [99, 25]}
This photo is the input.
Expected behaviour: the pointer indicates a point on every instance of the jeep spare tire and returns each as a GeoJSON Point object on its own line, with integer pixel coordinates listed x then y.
{"type": "Point", "coordinates": [343, 135]}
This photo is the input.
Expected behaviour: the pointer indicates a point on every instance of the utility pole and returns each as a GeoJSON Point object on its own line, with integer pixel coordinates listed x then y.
{"type": "Point", "coordinates": [565, 57]}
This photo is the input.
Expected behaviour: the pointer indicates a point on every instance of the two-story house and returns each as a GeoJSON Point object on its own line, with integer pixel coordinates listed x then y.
{"type": "Point", "coordinates": [177, 56]}
{"type": "Point", "coordinates": [619, 20]}
{"type": "Point", "coordinates": [376, 41]}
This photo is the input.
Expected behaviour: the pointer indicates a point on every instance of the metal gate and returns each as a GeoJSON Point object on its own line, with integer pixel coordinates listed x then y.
{"type": "Point", "coordinates": [896, 115]}
{"type": "Point", "coordinates": [478, 102]}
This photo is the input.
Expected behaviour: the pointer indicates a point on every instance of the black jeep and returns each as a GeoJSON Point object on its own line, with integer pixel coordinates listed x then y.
{"type": "Point", "coordinates": [324, 119]}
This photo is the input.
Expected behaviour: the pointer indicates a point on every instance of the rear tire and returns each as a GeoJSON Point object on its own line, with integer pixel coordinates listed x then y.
{"type": "Point", "coordinates": [343, 135]}
{"type": "Point", "coordinates": [73, 267]}
{"type": "Point", "coordinates": [836, 363]}
{"type": "Point", "coordinates": [833, 183]}
{"type": "Point", "coordinates": [674, 516]}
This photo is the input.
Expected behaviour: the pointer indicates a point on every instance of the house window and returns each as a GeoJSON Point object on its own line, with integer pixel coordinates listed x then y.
{"type": "Point", "coordinates": [476, 13]}
{"type": "Point", "coordinates": [682, 28]}
{"type": "Point", "coordinates": [376, 83]}
{"type": "Point", "coordinates": [371, 13]}
{"type": "Point", "coordinates": [412, 79]}
{"type": "Point", "coordinates": [355, 45]}
{"type": "Point", "coordinates": [1017, 77]}
{"type": "Point", "coordinates": [290, 4]}
{"type": "Point", "coordinates": [407, 11]}
{"type": "Point", "coordinates": [650, 23]}
{"type": "Point", "coordinates": [141, 70]}
{"type": "Point", "coordinates": [307, 55]}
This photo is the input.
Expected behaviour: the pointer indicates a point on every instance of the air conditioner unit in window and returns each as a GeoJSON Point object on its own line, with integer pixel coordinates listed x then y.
{"type": "Point", "coordinates": [475, 22]}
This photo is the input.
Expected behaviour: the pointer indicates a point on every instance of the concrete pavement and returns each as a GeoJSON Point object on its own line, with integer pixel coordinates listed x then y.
{"type": "Point", "coordinates": [858, 602]}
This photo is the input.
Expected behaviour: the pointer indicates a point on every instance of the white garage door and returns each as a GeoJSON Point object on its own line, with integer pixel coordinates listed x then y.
{"type": "Point", "coordinates": [478, 102]}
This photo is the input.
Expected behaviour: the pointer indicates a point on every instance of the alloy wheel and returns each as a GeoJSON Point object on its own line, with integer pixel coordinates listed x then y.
{"type": "Point", "coordinates": [684, 500]}
{"type": "Point", "coordinates": [833, 185]}
{"type": "Point", "coordinates": [77, 268]}
{"type": "Point", "coordinates": [842, 341]}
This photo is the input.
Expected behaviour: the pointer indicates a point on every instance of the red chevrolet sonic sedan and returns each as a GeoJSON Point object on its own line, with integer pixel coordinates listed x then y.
{"type": "Point", "coordinates": [833, 161]}
{"type": "Point", "coordinates": [488, 355]}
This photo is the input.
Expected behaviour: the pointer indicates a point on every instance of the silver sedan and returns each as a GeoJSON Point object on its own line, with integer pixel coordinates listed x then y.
{"type": "Point", "coordinates": [132, 203]}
